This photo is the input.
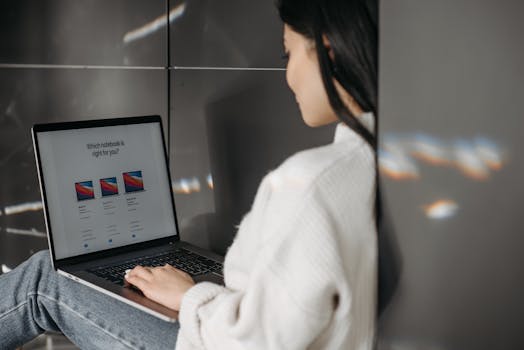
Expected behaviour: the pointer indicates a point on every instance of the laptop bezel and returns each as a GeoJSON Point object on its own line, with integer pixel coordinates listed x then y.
{"type": "Point", "coordinates": [94, 123]}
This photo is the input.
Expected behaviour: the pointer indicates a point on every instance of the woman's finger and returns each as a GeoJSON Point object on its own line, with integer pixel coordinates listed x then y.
{"type": "Point", "coordinates": [185, 275]}
{"type": "Point", "coordinates": [141, 272]}
{"type": "Point", "coordinates": [137, 281]}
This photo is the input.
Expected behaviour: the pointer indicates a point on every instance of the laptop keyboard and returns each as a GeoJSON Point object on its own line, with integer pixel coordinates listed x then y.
{"type": "Point", "coordinates": [181, 258]}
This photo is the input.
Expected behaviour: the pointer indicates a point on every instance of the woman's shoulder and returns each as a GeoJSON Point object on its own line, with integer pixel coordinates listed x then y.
{"type": "Point", "coordinates": [324, 176]}
{"type": "Point", "coordinates": [308, 166]}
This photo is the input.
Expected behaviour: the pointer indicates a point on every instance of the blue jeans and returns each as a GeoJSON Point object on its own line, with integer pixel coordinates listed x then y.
{"type": "Point", "coordinates": [35, 299]}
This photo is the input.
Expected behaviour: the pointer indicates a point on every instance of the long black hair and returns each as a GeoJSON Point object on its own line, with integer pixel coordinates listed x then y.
{"type": "Point", "coordinates": [352, 30]}
{"type": "Point", "coordinates": [351, 26]}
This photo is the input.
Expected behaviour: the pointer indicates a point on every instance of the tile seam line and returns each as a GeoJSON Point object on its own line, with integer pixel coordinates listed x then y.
{"type": "Point", "coordinates": [74, 66]}
{"type": "Point", "coordinates": [225, 68]}
{"type": "Point", "coordinates": [71, 66]}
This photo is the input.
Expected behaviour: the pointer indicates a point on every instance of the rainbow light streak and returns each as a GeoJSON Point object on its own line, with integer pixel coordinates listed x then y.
{"type": "Point", "coordinates": [490, 153]}
{"type": "Point", "coordinates": [22, 208]}
{"type": "Point", "coordinates": [154, 25]}
{"type": "Point", "coordinates": [441, 209]}
{"type": "Point", "coordinates": [186, 186]}
{"type": "Point", "coordinates": [469, 162]}
{"type": "Point", "coordinates": [209, 180]}
{"type": "Point", "coordinates": [474, 159]}
{"type": "Point", "coordinates": [397, 166]}
{"type": "Point", "coordinates": [394, 143]}
{"type": "Point", "coordinates": [430, 150]}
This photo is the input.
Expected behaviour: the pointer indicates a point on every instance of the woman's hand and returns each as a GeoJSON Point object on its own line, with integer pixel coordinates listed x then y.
{"type": "Point", "coordinates": [166, 285]}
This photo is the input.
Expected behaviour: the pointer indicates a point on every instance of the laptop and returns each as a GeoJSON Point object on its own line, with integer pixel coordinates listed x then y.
{"type": "Point", "coordinates": [108, 206]}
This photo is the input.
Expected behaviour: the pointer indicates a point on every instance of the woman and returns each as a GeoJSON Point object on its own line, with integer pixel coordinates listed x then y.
{"type": "Point", "coordinates": [301, 272]}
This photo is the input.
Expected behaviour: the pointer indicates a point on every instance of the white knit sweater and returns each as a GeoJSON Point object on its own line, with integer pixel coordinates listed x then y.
{"type": "Point", "coordinates": [302, 270]}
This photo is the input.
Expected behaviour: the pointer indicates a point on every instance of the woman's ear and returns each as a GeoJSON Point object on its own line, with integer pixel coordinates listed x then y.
{"type": "Point", "coordinates": [327, 44]}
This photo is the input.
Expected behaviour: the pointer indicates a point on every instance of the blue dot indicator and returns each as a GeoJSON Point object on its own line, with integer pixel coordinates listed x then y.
{"type": "Point", "coordinates": [85, 245]}
{"type": "Point", "coordinates": [110, 241]}
{"type": "Point", "coordinates": [134, 235]}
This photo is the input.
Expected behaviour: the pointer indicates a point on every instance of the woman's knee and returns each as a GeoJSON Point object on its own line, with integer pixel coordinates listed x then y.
{"type": "Point", "coordinates": [41, 260]}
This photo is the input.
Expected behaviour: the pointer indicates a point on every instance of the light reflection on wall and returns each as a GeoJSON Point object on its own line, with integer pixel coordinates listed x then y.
{"type": "Point", "coordinates": [430, 150]}
{"type": "Point", "coordinates": [441, 209]}
{"type": "Point", "coordinates": [469, 161]}
{"type": "Point", "coordinates": [490, 153]}
{"type": "Point", "coordinates": [186, 186]}
{"type": "Point", "coordinates": [402, 155]}
{"type": "Point", "coordinates": [475, 159]}
{"type": "Point", "coordinates": [154, 25]}
{"type": "Point", "coordinates": [32, 232]}
{"type": "Point", "coordinates": [22, 208]}
{"type": "Point", "coordinates": [209, 180]}
{"type": "Point", "coordinates": [5, 268]}
{"type": "Point", "coordinates": [397, 165]}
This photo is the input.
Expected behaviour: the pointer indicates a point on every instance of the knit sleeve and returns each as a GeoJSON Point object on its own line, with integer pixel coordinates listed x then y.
{"type": "Point", "coordinates": [291, 295]}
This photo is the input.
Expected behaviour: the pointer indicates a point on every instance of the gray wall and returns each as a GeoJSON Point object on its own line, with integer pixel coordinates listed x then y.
{"type": "Point", "coordinates": [451, 136]}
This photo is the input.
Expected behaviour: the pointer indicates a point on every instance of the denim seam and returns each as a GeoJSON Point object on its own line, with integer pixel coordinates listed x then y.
{"type": "Point", "coordinates": [13, 309]}
{"type": "Point", "coordinates": [124, 342]}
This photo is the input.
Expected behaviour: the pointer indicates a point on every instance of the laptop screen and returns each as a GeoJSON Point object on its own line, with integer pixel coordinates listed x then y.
{"type": "Point", "coordinates": [106, 187]}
